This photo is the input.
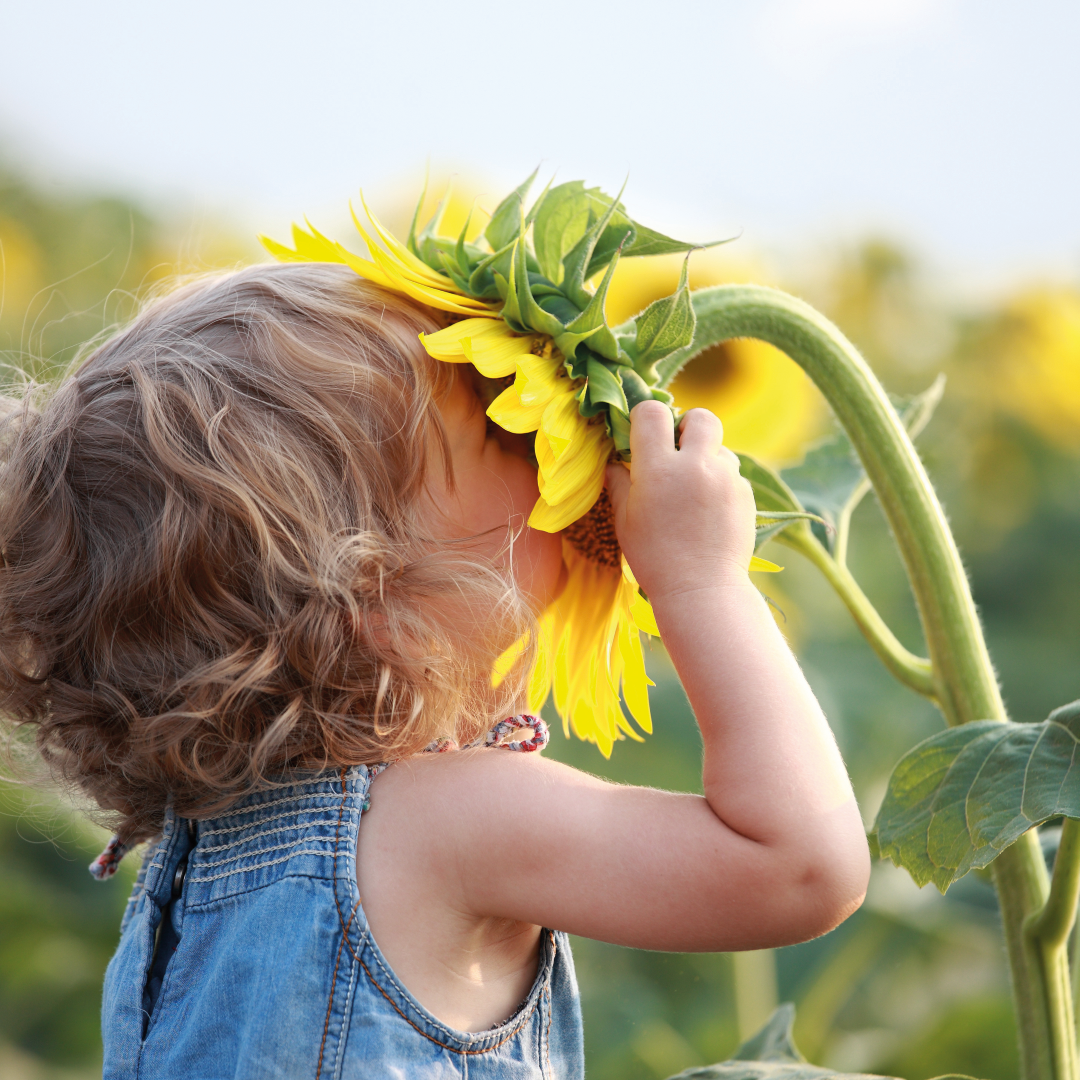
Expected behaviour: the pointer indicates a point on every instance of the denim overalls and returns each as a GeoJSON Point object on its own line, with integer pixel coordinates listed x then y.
{"type": "Point", "coordinates": [265, 966]}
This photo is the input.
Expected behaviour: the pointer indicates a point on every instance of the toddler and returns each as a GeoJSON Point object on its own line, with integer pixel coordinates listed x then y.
{"type": "Point", "coordinates": [260, 553]}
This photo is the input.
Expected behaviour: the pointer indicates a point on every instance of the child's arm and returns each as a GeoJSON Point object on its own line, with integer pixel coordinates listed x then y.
{"type": "Point", "coordinates": [775, 851]}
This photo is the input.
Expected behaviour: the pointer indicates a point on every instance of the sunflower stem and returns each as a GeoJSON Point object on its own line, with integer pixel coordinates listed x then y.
{"type": "Point", "coordinates": [963, 681]}
{"type": "Point", "coordinates": [911, 670]}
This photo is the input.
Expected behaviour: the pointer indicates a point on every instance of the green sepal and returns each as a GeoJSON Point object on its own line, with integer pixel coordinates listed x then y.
{"type": "Point", "coordinates": [592, 326]}
{"type": "Point", "coordinates": [664, 326]}
{"type": "Point", "coordinates": [449, 266]}
{"type": "Point", "coordinates": [410, 241]}
{"type": "Point", "coordinates": [529, 312]}
{"type": "Point", "coordinates": [576, 262]}
{"type": "Point", "coordinates": [635, 388]}
{"type": "Point", "coordinates": [483, 275]}
{"type": "Point", "coordinates": [428, 242]}
{"type": "Point", "coordinates": [563, 310]}
{"type": "Point", "coordinates": [563, 216]}
{"type": "Point", "coordinates": [505, 223]}
{"type": "Point", "coordinates": [604, 386]}
{"type": "Point", "coordinates": [461, 251]}
{"type": "Point", "coordinates": [649, 242]}
{"type": "Point", "coordinates": [619, 430]}
{"type": "Point", "coordinates": [511, 313]}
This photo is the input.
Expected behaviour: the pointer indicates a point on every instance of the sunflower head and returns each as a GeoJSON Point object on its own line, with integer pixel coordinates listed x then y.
{"type": "Point", "coordinates": [527, 300]}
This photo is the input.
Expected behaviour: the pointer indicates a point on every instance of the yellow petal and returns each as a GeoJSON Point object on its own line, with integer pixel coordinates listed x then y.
{"type": "Point", "coordinates": [764, 565]}
{"type": "Point", "coordinates": [494, 355]}
{"type": "Point", "coordinates": [635, 682]}
{"type": "Point", "coordinates": [510, 414]}
{"type": "Point", "coordinates": [507, 659]}
{"type": "Point", "coordinates": [571, 484]}
{"type": "Point", "coordinates": [642, 613]}
{"type": "Point", "coordinates": [563, 423]}
{"type": "Point", "coordinates": [446, 344]}
{"type": "Point", "coordinates": [401, 253]}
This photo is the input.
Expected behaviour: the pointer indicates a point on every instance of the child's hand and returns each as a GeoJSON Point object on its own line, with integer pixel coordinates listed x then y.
{"type": "Point", "coordinates": [684, 517]}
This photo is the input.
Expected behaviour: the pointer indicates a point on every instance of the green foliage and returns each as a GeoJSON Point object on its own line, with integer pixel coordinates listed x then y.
{"type": "Point", "coordinates": [962, 796]}
{"type": "Point", "coordinates": [770, 1055]}
{"type": "Point", "coordinates": [58, 928]}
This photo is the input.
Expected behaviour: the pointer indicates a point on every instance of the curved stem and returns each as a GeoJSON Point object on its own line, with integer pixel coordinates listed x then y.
{"type": "Point", "coordinates": [1054, 923]}
{"type": "Point", "coordinates": [964, 685]}
{"type": "Point", "coordinates": [911, 670]}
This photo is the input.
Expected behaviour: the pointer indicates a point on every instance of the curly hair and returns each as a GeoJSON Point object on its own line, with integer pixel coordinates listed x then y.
{"type": "Point", "coordinates": [214, 570]}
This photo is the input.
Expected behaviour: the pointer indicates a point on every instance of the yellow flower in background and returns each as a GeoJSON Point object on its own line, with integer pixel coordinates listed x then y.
{"type": "Point", "coordinates": [769, 408]}
{"type": "Point", "coordinates": [1034, 368]}
{"type": "Point", "coordinates": [22, 273]}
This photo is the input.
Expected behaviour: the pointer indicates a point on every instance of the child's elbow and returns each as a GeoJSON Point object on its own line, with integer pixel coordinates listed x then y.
{"type": "Point", "coordinates": [827, 882]}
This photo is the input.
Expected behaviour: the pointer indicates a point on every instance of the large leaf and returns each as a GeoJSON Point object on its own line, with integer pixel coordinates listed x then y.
{"type": "Point", "coordinates": [770, 1055]}
{"type": "Point", "coordinates": [959, 798]}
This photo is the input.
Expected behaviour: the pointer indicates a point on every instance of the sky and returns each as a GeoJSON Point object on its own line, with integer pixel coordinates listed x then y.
{"type": "Point", "coordinates": [950, 125]}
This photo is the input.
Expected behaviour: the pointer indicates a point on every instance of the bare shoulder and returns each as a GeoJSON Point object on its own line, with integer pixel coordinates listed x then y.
{"type": "Point", "coordinates": [458, 794]}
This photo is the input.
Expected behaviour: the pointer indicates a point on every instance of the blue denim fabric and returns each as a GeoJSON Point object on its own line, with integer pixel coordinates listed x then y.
{"type": "Point", "coordinates": [275, 973]}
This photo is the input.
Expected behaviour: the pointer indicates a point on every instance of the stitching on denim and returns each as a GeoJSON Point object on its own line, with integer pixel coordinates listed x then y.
{"type": "Point", "coordinates": [327, 810]}
{"type": "Point", "coordinates": [346, 1023]}
{"type": "Point", "coordinates": [262, 851]}
{"type": "Point", "coordinates": [259, 866]}
{"type": "Point", "coordinates": [284, 796]}
{"type": "Point", "coordinates": [547, 1033]}
{"type": "Point", "coordinates": [393, 1004]}
{"type": "Point", "coordinates": [330, 1003]}
{"type": "Point", "coordinates": [232, 844]}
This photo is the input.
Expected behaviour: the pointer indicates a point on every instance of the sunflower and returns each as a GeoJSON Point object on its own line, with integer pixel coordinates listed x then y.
{"type": "Point", "coordinates": [524, 310]}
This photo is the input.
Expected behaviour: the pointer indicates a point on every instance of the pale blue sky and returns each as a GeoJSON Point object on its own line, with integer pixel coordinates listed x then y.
{"type": "Point", "coordinates": [950, 124]}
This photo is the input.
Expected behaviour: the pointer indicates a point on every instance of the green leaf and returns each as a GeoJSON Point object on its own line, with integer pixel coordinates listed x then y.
{"type": "Point", "coordinates": [664, 326]}
{"type": "Point", "coordinates": [770, 491]}
{"type": "Point", "coordinates": [777, 506]}
{"type": "Point", "coordinates": [604, 386]}
{"type": "Point", "coordinates": [830, 474]}
{"type": "Point", "coordinates": [505, 223]}
{"type": "Point", "coordinates": [959, 798]}
{"type": "Point", "coordinates": [770, 1055]}
{"type": "Point", "coordinates": [563, 218]}
{"type": "Point", "coordinates": [831, 480]}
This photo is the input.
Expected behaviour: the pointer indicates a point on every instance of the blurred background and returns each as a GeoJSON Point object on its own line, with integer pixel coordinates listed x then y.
{"type": "Point", "coordinates": [908, 167]}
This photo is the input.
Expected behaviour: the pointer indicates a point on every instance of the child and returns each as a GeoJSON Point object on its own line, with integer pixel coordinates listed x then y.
{"type": "Point", "coordinates": [257, 546]}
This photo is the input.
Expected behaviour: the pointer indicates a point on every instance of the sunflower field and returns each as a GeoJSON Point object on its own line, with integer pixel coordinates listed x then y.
{"type": "Point", "coordinates": [915, 984]}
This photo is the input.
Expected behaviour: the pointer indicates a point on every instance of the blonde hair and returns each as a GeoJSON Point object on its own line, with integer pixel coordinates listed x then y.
{"type": "Point", "coordinates": [214, 569]}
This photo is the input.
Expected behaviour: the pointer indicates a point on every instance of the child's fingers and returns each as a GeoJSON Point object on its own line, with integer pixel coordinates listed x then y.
{"type": "Point", "coordinates": [617, 482]}
{"type": "Point", "coordinates": [652, 434]}
{"type": "Point", "coordinates": [701, 431]}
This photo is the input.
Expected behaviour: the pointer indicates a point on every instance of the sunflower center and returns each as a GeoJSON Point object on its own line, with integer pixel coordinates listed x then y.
{"type": "Point", "coordinates": [593, 536]}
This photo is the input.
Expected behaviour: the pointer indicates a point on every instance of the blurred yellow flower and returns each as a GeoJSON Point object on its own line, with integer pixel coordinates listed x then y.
{"type": "Point", "coordinates": [768, 406]}
{"type": "Point", "coordinates": [21, 270]}
{"type": "Point", "coordinates": [1033, 368]}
